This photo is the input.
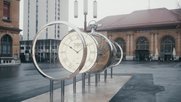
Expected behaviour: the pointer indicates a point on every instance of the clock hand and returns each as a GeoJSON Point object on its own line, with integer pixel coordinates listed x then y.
{"type": "Point", "coordinates": [86, 45]}
{"type": "Point", "coordinates": [71, 47]}
{"type": "Point", "coordinates": [79, 50]}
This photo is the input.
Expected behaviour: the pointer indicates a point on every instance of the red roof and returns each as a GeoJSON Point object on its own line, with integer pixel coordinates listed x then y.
{"type": "Point", "coordinates": [141, 18]}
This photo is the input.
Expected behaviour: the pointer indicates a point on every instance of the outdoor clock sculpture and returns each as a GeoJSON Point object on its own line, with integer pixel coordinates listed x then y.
{"type": "Point", "coordinates": [71, 51]}
{"type": "Point", "coordinates": [71, 58]}
{"type": "Point", "coordinates": [81, 52]}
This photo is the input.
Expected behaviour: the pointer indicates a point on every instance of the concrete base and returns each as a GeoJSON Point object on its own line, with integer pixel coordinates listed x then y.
{"type": "Point", "coordinates": [102, 93]}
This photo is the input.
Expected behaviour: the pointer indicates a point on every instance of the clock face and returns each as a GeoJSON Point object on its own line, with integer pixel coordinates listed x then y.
{"type": "Point", "coordinates": [71, 52]}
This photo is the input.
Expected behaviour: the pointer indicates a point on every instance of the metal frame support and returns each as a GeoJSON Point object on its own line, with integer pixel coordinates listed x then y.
{"type": "Point", "coordinates": [89, 79]}
{"type": "Point", "coordinates": [62, 90]}
{"type": "Point", "coordinates": [105, 76]}
{"type": "Point", "coordinates": [83, 82]}
{"type": "Point", "coordinates": [74, 85]}
{"type": "Point", "coordinates": [96, 79]}
{"type": "Point", "coordinates": [51, 90]}
{"type": "Point", "coordinates": [111, 71]}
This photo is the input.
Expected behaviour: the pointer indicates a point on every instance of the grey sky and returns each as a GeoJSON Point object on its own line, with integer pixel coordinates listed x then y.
{"type": "Point", "coordinates": [117, 7]}
{"type": "Point", "coordinates": [112, 7]}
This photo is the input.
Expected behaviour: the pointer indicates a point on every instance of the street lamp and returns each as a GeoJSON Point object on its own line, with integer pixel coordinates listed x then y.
{"type": "Point", "coordinates": [85, 4]}
{"type": "Point", "coordinates": [85, 14]}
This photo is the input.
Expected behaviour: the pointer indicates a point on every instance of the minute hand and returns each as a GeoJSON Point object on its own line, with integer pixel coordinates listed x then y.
{"type": "Point", "coordinates": [71, 47]}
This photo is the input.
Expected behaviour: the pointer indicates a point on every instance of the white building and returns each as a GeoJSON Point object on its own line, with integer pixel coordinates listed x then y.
{"type": "Point", "coordinates": [37, 13]}
{"type": "Point", "coordinates": [40, 12]}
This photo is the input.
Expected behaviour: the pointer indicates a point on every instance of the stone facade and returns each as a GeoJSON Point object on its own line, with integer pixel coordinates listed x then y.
{"type": "Point", "coordinates": [154, 38]}
{"type": "Point", "coordinates": [152, 34]}
{"type": "Point", "coordinates": [9, 28]}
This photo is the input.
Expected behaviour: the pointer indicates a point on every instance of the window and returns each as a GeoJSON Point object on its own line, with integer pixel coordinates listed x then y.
{"type": "Point", "coordinates": [142, 44]}
{"type": "Point", "coordinates": [6, 10]}
{"type": "Point", "coordinates": [167, 45]}
{"type": "Point", "coordinates": [6, 46]}
{"type": "Point", "coordinates": [122, 42]}
{"type": "Point", "coordinates": [22, 48]}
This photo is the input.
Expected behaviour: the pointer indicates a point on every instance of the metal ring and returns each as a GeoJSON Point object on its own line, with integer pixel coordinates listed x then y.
{"type": "Point", "coordinates": [121, 50]}
{"type": "Point", "coordinates": [109, 42]}
{"type": "Point", "coordinates": [84, 50]}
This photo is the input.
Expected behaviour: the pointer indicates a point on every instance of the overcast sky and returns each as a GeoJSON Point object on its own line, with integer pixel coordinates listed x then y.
{"type": "Point", "coordinates": [112, 7]}
{"type": "Point", "coordinates": [117, 7]}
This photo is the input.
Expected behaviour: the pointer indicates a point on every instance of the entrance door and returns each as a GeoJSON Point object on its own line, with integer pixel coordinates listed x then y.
{"type": "Point", "coordinates": [167, 46]}
{"type": "Point", "coordinates": [142, 55]}
{"type": "Point", "coordinates": [142, 49]}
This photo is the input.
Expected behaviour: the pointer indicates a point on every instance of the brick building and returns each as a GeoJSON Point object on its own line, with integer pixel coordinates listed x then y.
{"type": "Point", "coordinates": [153, 34]}
{"type": "Point", "coordinates": [9, 31]}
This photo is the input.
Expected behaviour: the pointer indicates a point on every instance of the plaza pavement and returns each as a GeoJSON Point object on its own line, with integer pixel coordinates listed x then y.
{"type": "Point", "coordinates": [103, 92]}
{"type": "Point", "coordinates": [149, 82]}
{"type": "Point", "coordinates": [134, 82]}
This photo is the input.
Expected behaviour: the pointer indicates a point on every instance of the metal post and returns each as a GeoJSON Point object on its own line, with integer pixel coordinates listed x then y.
{"type": "Point", "coordinates": [74, 85]}
{"type": "Point", "coordinates": [105, 75]}
{"type": "Point", "coordinates": [62, 90]}
{"type": "Point", "coordinates": [51, 90]}
{"type": "Point", "coordinates": [89, 79]}
{"type": "Point", "coordinates": [99, 77]}
{"type": "Point", "coordinates": [111, 71]}
{"type": "Point", "coordinates": [96, 80]}
{"type": "Point", "coordinates": [83, 82]}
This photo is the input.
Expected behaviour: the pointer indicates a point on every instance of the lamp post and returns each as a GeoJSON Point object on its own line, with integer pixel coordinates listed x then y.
{"type": "Point", "coordinates": [85, 12]}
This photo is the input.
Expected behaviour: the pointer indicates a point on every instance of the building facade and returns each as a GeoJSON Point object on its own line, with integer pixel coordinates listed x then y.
{"type": "Point", "coordinates": [153, 34]}
{"type": "Point", "coordinates": [9, 32]}
{"type": "Point", "coordinates": [45, 50]}
{"type": "Point", "coordinates": [37, 13]}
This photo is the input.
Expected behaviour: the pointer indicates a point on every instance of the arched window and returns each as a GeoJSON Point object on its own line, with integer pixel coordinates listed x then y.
{"type": "Point", "coordinates": [167, 45]}
{"type": "Point", "coordinates": [142, 44]}
{"type": "Point", "coordinates": [142, 49]}
{"type": "Point", "coordinates": [122, 42]}
{"type": "Point", "coordinates": [6, 46]}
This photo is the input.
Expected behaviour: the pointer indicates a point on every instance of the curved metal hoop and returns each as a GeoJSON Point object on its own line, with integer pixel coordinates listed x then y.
{"type": "Point", "coordinates": [120, 59]}
{"type": "Point", "coordinates": [83, 57]}
{"type": "Point", "coordinates": [109, 43]}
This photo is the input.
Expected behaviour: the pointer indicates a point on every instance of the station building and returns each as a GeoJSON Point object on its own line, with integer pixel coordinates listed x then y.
{"type": "Point", "coordinates": [152, 34]}
{"type": "Point", "coordinates": [9, 32]}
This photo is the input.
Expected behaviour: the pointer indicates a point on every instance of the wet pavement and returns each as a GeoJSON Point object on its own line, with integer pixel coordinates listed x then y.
{"type": "Point", "coordinates": [23, 82]}
{"type": "Point", "coordinates": [150, 82]}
